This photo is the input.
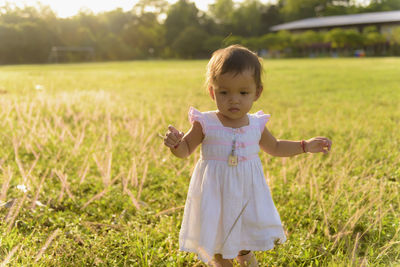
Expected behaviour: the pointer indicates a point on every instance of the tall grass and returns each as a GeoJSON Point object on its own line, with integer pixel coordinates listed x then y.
{"type": "Point", "coordinates": [85, 178]}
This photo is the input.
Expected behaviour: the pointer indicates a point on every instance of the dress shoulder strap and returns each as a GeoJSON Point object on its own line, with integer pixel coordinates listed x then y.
{"type": "Point", "coordinates": [261, 119]}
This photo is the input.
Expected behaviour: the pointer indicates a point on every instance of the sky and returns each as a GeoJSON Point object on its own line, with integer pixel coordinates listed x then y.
{"type": "Point", "coordinates": [68, 8]}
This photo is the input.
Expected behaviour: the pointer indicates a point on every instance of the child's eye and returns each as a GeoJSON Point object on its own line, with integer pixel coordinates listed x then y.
{"type": "Point", "coordinates": [223, 92]}
{"type": "Point", "coordinates": [244, 93]}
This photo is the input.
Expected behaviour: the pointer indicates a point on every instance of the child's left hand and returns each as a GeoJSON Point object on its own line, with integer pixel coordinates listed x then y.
{"type": "Point", "coordinates": [318, 144]}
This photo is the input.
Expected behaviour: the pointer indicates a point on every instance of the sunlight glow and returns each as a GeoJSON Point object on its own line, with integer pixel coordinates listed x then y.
{"type": "Point", "coordinates": [70, 8]}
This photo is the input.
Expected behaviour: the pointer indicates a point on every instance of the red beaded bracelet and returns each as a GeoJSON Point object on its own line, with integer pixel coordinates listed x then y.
{"type": "Point", "coordinates": [176, 146]}
{"type": "Point", "coordinates": [303, 145]}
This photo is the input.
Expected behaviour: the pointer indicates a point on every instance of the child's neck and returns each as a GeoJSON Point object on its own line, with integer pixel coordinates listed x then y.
{"type": "Point", "coordinates": [233, 123]}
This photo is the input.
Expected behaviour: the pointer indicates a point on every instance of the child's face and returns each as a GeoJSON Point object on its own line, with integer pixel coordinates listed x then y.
{"type": "Point", "coordinates": [235, 94]}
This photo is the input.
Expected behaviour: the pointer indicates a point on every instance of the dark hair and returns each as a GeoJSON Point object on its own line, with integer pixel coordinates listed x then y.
{"type": "Point", "coordinates": [236, 59]}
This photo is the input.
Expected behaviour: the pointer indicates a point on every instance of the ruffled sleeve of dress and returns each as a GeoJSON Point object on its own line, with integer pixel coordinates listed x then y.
{"type": "Point", "coordinates": [262, 119]}
{"type": "Point", "coordinates": [195, 115]}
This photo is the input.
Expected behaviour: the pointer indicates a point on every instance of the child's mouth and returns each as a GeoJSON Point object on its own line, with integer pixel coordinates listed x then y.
{"type": "Point", "coordinates": [234, 110]}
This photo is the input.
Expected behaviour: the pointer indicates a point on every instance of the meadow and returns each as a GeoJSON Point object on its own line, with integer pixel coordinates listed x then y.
{"type": "Point", "coordinates": [85, 178]}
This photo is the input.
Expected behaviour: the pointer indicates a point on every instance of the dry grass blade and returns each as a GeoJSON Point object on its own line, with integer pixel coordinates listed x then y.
{"type": "Point", "coordinates": [38, 189]}
{"type": "Point", "coordinates": [9, 256]}
{"type": "Point", "coordinates": [48, 241]}
{"type": "Point", "coordinates": [102, 193]}
{"type": "Point", "coordinates": [49, 128]}
{"type": "Point", "coordinates": [63, 178]}
{"type": "Point", "coordinates": [12, 204]}
{"type": "Point", "coordinates": [133, 173]}
{"type": "Point", "coordinates": [143, 179]}
{"type": "Point", "coordinates": [21, 122]}
{"type": "Point", "coordinates": [185, 167]}
{"type": "Point", "coordinates": [109, 131]}
{"type": "Point", "coordinates": [4, 188]}
{"type": "Point", "coordinates": [124, 184]}
{"type": "Point", "coordinates": [168, 211]}
{"type": "Point", "coordinates": [64, 129]}
{"type": "Point", "coordinates": [230, 230]}
{"type": "Point", "coordinates": [107, 178]}
{"type": "Point", "coordinates": [1, 163]}
{"type": "Point", "coordinates": [320, 200]}
{"type": "Point", "coordinates": [129, 193]}
{"type": "Point", "coordinates": [101, 225]}
{"type": "Point", "coordinates": [353, 254]}
{"type": "Point", "coordinates": [95, 197]}
{"type": "Point", "coordinates": [83, 172]}
{"type": "Point", "coordinates": [20, 167]}
{"type": "Point", "coordinates": [17, 210]}
{"type": "Point", "coordinates": [32, 166]}
{"type": "Point", "coordinates": [105, 171]}
{"type": "Point", "coordinates": [79, 139]}
{"type": "Point", "coordinates": [386, 247]}
{"type": "Point", "coordinates": [134, 200]}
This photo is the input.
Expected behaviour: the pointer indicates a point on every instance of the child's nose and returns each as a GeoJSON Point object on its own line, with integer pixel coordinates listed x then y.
{"type": "Point", "coordinates": [234, 98]}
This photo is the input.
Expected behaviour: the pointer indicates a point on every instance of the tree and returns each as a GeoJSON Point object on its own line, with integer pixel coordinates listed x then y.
{"type": "Point", "coordinates": [372, 36]}
{"type": "Point", "coordinates": [222, 11]}
{"type": "Point", "coordinates": [395, 36]}
{"type": "Point", "coordinates": [270, 16]}
{"type": "Point", "coordinates": [270, 41]}
{"type": "Point", "coordinates": [158, 7]}
{"type": "Point", "coordinates": [372, 39]}
{"type": "Point", "coordinates": [337, 38]}
{"type": "Point", "coordinates": [234, 39]}
{"type": "Point", "coordinates": [180, 16]}
{"type": "Point", "coordinates": [145, 35]}
{"type": "Point", "coordinates": [213, 43]}
{"type": "Point", "coordinates": [276, 41]}
{"type": "Point", "coordinates": [307, 39]}
{"type": "Point", "coordinates": [353, 38]}
{"type": "Point", "coordinates": [301, 9]}
{"type": "Point", "coordinates": [10, 45]}
{"type": "Point", "coordinates": [115, 20]}
{"type": "Point", "coordinates": [112, 47]}
{"type": "Point", "coordinates": [190, 42]}
{"type": "Point", "coordinates": [382, 5]}
{"type": "Point", "coordinates": [246, 19]}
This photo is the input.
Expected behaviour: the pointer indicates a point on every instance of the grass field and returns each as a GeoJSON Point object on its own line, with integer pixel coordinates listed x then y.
{"type": "Point", "coordinates": [86, 180]}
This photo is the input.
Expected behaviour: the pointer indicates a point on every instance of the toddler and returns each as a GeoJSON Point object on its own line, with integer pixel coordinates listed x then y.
{"type": "Point", "coordinates": [229, 211]}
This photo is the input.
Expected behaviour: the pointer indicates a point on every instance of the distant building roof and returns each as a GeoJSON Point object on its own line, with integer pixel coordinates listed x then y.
{"type": "Point", "coordinates": [332, 21]}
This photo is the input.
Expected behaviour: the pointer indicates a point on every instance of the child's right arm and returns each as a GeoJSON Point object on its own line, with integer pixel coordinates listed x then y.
{"type": "Point", "coordinates": [183, 145]}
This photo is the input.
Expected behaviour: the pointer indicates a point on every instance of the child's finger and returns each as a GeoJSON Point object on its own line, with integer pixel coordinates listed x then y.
{"type": "Point", "coordinates": [327, 144]}
{"type": "Point", "coordinates": [173, 129]}
{"type": "Point", "coordinates": [171, 136]}
{"type": "Point", "coordinates": [169, 143]}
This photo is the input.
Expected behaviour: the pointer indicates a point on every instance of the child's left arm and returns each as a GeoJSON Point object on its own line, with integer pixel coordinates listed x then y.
{"type": "Point", "coordinates": [287, 148]}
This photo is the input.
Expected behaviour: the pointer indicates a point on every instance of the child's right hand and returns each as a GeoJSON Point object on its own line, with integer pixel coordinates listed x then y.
{"type": "Point", "coordinates": [173, 137]}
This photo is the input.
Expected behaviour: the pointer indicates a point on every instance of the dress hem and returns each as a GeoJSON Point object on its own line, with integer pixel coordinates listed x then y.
{"type": "Point", "coordinates": [202, 255]}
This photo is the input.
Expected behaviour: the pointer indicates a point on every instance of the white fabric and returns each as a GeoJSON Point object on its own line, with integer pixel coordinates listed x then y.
{"type": "Point", "coordinates": [218, 193]}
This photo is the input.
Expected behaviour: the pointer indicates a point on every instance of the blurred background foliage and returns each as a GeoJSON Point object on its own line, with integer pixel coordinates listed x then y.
{"type": "Point", "coordinates": [156, 29]}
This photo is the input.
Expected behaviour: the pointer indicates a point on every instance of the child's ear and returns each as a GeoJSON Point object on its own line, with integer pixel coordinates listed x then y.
{"type": "Point", "coordinates": [258, 92]}
{"type": "Point", "coordinates": [211, 92]}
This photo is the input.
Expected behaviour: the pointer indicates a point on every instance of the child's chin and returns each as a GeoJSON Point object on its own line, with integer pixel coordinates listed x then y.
{"type": "Point", "coordinates": [235, 115]}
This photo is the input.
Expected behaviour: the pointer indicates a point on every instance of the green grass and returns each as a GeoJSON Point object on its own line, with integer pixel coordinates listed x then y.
{"type": "Point", "coordinates": [87, 148]}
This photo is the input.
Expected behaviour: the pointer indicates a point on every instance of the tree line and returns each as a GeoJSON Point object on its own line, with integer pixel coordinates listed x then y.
{"type": "Point", "coordinates": [157, 29]}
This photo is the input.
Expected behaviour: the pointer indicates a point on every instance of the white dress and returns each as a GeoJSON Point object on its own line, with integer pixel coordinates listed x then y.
{"type": "Point", "coordinates": [229, 208]}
